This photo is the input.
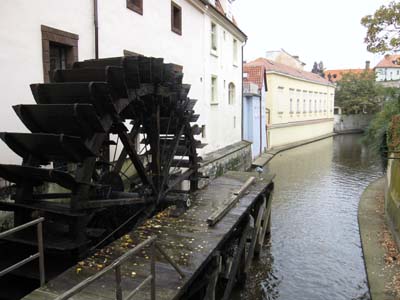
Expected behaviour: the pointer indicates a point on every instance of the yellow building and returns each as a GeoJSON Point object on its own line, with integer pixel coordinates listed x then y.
{"type": "Point", "coordinates": [299, 104]}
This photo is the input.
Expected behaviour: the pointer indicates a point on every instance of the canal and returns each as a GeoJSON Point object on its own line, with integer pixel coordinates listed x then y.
{"type": "Point", "coordinates": [315, 250]}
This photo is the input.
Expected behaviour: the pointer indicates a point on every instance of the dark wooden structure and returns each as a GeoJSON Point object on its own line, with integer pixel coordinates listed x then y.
{"type": "Point", "coordinates": [143, 103]}
{"type": "Point", "coordinates": [212, 258]}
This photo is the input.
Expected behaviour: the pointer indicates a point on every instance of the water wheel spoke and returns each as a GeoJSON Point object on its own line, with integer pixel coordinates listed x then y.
{"type": "Point", "coordinates": [171, 155]}
{"type": "Point", "coordinates": [124, 153]}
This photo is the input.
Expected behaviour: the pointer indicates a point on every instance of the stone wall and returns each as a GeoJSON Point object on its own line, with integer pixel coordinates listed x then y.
{"type": "Point", "coordinates": [344, 123]}
{"type": "Point", "coordinates": [392, 196]}
{"type": "Point", "coordinates": [235, 157]}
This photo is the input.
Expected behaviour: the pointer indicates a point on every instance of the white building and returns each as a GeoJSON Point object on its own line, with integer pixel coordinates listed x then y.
{"type": "Point", "coordinates": [388, 69]}
{"type": "Point", "coordinates": [299, 104]}
{"type": "Point", "coordinates": [37, 36]}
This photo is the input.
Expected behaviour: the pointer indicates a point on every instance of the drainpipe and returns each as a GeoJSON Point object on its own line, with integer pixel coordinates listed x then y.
{"type": "Point", "coordinates": [96, 29]}
{"type": "Point", "coordinates": [261, 123]}
{"type": "Point", "coordinates": [266, 126]}
{"type": "Point", "coordinates": [243, 89]}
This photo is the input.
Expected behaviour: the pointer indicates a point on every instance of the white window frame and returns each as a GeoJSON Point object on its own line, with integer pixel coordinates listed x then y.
{"type": "Point", "coordinates": [214, 89]}
{"type": "Point", "coordinates": [235, 52]}
{"type": "Point", "coordinates": [214, 38]}
{"type": "Point", "coordinates": [231, 93]}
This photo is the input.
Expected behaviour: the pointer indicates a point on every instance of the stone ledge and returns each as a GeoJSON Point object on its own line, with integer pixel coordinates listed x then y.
{"type": "Point", "coordinates": [223, 152]}
{"type": "Point", "coordinates": [372, 224]}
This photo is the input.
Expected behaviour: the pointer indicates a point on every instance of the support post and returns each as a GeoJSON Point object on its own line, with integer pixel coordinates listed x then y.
{"type": "Point", "coordinates": [153, 271]}
{"type": "Point", "coordinates": [266, 225]}
{"type": "Point", "coordinates": [118, 287]}
{"type": "Point", "coordinates": [255, 234]}
{"type": "Point", "coordinates": [41, 253]}
{"type": "Point", "coordinates": [210, 292]}
{"type": "Point", "coordinates": [234, 269]}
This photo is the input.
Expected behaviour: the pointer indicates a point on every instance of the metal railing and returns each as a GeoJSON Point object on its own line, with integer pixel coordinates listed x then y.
{"type": "Point", "coordinates": [40, 254]}
{"type": "Point", "coordinates": [116, 265]}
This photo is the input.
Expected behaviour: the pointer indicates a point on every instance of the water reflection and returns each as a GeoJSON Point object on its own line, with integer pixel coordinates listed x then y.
{"type": "Point", "coordinates": [315, 249]}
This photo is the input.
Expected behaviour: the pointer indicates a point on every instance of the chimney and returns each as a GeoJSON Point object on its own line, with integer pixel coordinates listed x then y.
{"type": "Point", "coordinates": [367, 64]}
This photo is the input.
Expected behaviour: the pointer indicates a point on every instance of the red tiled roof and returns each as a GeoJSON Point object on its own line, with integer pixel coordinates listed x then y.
{"type": "Point", "coordinates": [271, 66]}
{"type": "Point", "coordinates": [255, 74]}
{"type": "Point", "coordinates": [338, 74]}
{"type": "Point", "coordinates": [389, 61]}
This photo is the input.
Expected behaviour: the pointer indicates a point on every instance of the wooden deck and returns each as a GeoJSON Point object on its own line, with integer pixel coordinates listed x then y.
{"type": "Point", "coordinates": [187, 239]}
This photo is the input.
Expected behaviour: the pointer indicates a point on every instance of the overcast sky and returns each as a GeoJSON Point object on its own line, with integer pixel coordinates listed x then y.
{"type": "Point", "coordinates": [316, 30]}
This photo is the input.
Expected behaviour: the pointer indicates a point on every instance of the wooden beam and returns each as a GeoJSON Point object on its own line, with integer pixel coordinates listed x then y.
{"type": "Point", "coordinates": [114, 202]}
{"type": "Point", "coordinates": [222, 211]}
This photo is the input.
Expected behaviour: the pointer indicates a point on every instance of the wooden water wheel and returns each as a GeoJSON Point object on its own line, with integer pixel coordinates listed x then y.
{"type": "Point", "coordinates": [139, 102]}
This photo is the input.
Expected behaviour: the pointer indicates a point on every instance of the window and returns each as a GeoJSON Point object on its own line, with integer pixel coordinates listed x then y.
{"type": "Point", "coordinates": [203, 131]}
{"type": "Point", "coordinates": [310, 106]}
{"type": "Point", "coordinates": [176, 18]}
{"type": "Point", "coordinates": [298, 106]}
{"type": "Point", "coordinates": [320, 106]}
{"type": "Point", "coordinates": [304, 106]}
{"type": "Point", "coordinates": [235, 51]}
{"type": "Point", "coordinates": [315, 106]}
{"type": "Point", "coordinates": [60, 50]}
{"type": "Point", "coordinates": [214, 37]}
{"type": "Point", "coordinates": [291, 105]}
{"type": "Point", "coordinates": [232, 93]}
{"type": "Point", "coordinates": [58, 56]}
{"type": "Point", "coordinates": [135, 5]}
{"type": "Point", "coordinates": [214, 90]}
{"type": "Point", "coordinates": [280, 99]}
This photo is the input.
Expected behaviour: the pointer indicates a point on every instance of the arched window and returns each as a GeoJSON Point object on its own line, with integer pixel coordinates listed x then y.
{"type": "Point", "coordinates": [232, 93]}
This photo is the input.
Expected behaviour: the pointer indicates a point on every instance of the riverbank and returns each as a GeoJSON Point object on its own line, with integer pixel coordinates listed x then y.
{"type": "Point", "coordinates": [382, 260]}
{"type": "Point", "coordinates": [264, 158]}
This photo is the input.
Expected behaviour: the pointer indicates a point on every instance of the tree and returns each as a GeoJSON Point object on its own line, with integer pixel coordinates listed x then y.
{"type": "Point", "coordinates": [358, 93]}
{"type": "Point", "coordinates": [383, 28]}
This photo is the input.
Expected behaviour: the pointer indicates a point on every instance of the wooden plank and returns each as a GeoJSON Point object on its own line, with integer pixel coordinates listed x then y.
{"type": "Point", "coordinates": [220, 213]}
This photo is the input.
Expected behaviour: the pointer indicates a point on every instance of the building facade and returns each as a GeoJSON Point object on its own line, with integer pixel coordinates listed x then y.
{"type": "Point", "coordinates": [299, 104]}
{"type": "Point", "coordinates": [199, 35]}
{"type": "Point", "coordinates": [388, 69]}
{"type": "Point", "coordinates": [254, 120]}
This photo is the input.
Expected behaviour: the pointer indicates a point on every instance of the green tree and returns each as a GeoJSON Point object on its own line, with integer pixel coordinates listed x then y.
{"type": "Point", "coordinates": [383, 28]}
{"type": "Point", "coordinates": [375, 134]}
{"type": "Point", "coordinates": [358, 93]}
